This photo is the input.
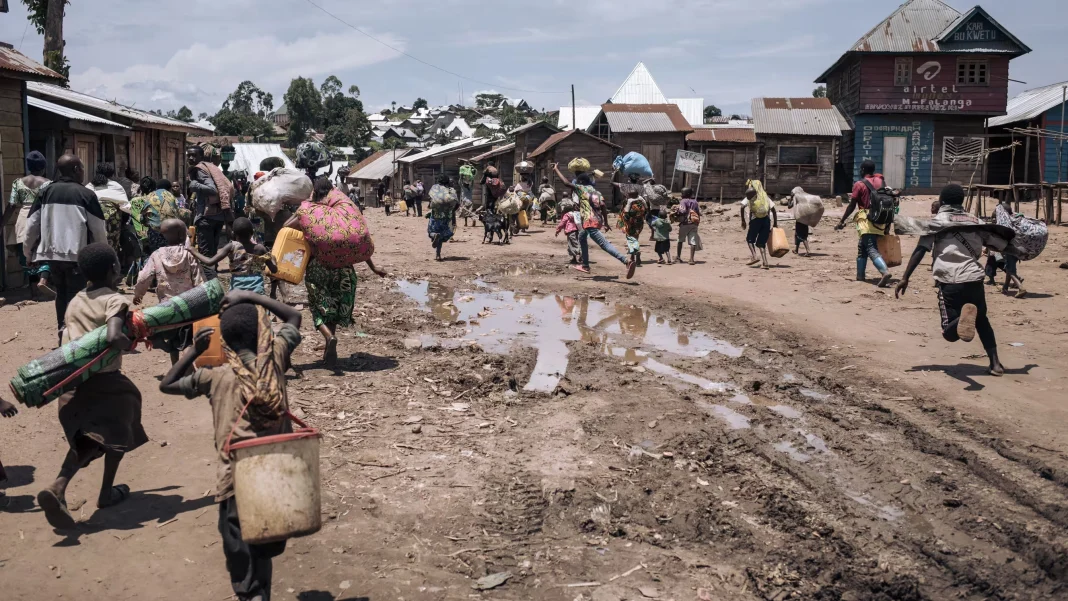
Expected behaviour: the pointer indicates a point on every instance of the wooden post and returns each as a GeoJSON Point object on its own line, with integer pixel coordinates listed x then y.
{"type": "Point", "coordinates": [1049, 205]}
{"type": "Point", "coordinates": [1060, 196]}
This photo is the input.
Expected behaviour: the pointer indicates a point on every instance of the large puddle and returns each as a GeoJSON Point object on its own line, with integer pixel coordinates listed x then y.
{"type": "Point", "coordinates": [497, 320]}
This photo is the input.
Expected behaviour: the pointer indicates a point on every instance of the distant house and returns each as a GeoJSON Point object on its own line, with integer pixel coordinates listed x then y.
{"type": "Point", "coordinates": [452, 126]}
{"type": "Point", "coordinates": [918, 88]}
{"type": "Point", "coordinates": [564, 146]}
{"type": "Point", "coordinates": [657, 131]}
{"type": "Point", "coordinates": [375, 118]}
{"type": "Point", "coordinates": [800, 140]}
{"type": "Point", "coordinates": [281, 117]}
{"type": "Point", "coordinates": [368, 173]}
{"type": "Point", "coordinates": [399, 133]}
{"type": "Point", "coordinates": [732, 157]}
{"type": "Point", "coordinates": [427, 165]}
{"type": "Point", "coordinates": [1035, 161]}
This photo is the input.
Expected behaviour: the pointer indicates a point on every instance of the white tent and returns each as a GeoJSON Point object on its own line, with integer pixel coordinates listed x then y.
{"type": "Point", "coordinates": [248, 156]}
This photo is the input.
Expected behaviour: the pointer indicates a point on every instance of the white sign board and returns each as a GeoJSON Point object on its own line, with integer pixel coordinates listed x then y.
{"type": "Point", "coordinates": [690, 162]}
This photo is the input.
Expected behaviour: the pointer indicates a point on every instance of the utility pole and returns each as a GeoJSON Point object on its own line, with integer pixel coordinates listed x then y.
{"type": "Point", "coordinates": [574, 120]}
{"type": "Point", "coordinates": [1060, 142]}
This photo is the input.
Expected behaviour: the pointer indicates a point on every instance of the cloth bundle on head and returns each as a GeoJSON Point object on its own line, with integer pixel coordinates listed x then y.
{"type": "Point", "coordinates": [579, 165]}
{"type": "Point", "coordinates": [33, 380]}
{"type": "Point", "coordinates": [261, 390]}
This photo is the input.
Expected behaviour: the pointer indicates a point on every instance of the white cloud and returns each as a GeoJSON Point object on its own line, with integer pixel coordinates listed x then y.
{"type": "Point", "coordinates": [201, 76]}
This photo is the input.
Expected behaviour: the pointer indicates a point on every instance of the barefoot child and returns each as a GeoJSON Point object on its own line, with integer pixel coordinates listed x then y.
{"type": "Point", "coordinates": [248, 399]}
{"type": "Point", "coordinates": [175, 271]}
{"type": "Point", "coordinates": [762, 217]}
{"type": "Point", "coordinates": [569, 224]}
{"type": "Point", "coordinates": [661, 227]}
{"type": "Point", "coordinates": [102, 417]}
{"type": "Point", "coordinates": [247, 259]}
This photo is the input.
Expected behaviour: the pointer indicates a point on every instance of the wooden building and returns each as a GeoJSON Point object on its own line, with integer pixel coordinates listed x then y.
{"type": "Point", "coordinates": [657, 131]}
{"type": "Point", "coordinates": [152, 145]}
{"type": "Point", "coordinates": [1044, 112]}
{"type": "Point", "coordinates": [367, 174]}
{"type": "Point", "coordinates": [799, 143]}
{"type": "Point", "coordinates": [529, 137]}
{"type": "Point", "coordinates": [918, 89]}
{"type": "Point", "coordinates": [446, 159]}
{"type": "Point", "coordinates": [731, 158]}
{"type": "Point", "coordinates": [564, 146]}
{"type": "Point", "coordinates": [503, 158]}
{"type": "Point", "coordinates": [16, 71]}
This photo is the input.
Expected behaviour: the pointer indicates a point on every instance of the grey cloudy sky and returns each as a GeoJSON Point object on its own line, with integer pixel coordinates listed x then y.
{"type": "Point", "coordinates": [163, 53]}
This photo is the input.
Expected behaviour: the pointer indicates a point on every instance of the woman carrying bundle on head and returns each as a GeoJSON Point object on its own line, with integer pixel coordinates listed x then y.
{"type": "Point", "coordinates": [441, 216]}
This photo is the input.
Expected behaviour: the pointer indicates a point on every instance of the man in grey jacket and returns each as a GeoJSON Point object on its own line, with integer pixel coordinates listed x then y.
{"type": "Point", "coordinates": [65, 218]}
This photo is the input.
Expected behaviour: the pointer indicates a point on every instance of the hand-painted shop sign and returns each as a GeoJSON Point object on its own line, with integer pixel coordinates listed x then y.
{"type": "Point", "coordinates": [975, 31]}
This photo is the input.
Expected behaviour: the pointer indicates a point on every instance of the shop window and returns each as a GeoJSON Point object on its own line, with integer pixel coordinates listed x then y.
{"type": "Point", "coordinates": [972, 73]}
{"type": "Point", "coordinates": [903, 72]}
{"type": "Point", "coordinates": [956, 150]}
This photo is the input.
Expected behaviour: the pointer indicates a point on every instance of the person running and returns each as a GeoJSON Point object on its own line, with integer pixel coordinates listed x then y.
{"type": "Point", "coordinates": [331, 286]}
{"type": "Point", "coordinates": [24, 193]}
{"type": "Point", "coordinates": [689, 213]}
{"type": "Point", "coordinates": [1003, 215]}
{"type": "Point", "coordinates": [102, 416]}
{"type": "Point", "coordinates": [956, 239]}
{"type": "Point", "coordinates": [594, 215]}
{"type": "Point", "coordinates": [247, 259]}
{"type": "Point", "coordinates": [213, 194]}
{"type": "Point", "coordinates": [762, 217]}
{"type": "Point", "coordinates": [570, 224]}
{"type": "Point", "coordinates": [869, 233]}
{"type": "Point", "coordinates": [441, 215]}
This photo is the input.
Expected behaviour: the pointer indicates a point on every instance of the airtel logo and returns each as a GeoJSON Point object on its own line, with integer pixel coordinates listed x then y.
{"type": "Point", "coordinates": [930, 70]}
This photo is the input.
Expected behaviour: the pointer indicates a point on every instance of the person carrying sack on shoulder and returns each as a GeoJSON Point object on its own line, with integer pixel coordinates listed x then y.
{"type": "Point", "coordinates": [212, 212]}
{"type": "Point", "coordinates": [872, 220]}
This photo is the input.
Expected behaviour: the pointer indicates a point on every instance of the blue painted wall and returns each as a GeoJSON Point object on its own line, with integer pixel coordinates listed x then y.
{"type": "Point", "coordinates": [1049, 147]}
{"type": "Point", "coordinates": [920, 150]}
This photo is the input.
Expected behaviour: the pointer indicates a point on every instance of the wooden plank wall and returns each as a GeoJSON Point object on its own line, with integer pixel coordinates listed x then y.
{"type": "Point", "coordinates": [941, 173]}
{"type": "Point", "coordinates": [672, 141]}
{"type": "Point", "coordinates": [598, 154]}
{"type": "Point", "coordinates": [843, 87]}
{"type": "Point", "coordinates": [11, 132]}
{"type": "Point", "coordinates": [731, 184]}
{"type": "Point", "coordinates": [782, 182]}
{"type": "Point", "coordinates": [878, 89]}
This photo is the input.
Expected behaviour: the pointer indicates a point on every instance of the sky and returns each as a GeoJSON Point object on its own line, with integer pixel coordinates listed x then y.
{"type": "Point", "coordinates": [162, 54]}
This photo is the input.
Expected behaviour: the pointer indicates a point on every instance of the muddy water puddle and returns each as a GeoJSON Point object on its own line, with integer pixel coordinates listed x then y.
{"type": "Point", "coordinates": [497, 319]}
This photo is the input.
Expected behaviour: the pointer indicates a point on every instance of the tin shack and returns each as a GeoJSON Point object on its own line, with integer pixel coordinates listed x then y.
{"type": "Point", "coordinates": [566, 145]}
{"type": "Point", "coordinates": [918, 88]}
{"type": "Point", "coordinates": [799, 140]}
{"type": "Point", "coordinates": [731, 158]}
{"type": "Point", "coordinates": [657, 131]}
{"type": "Point", "coordinates": [1043, 114]}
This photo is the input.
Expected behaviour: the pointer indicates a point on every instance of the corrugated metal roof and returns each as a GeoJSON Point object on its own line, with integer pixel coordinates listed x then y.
{"type": "Point", "coordinates": [639, 88]}
{"type": "Point", "coordinates": [247, 157]}
{"type": "Point", "coordinates": [370, 159]}
{"type": "Point", "coordinates": [380, 167]}
{"type": "Point", "coordinates": [494, 153]}
{"type": "Point", "coordinates": [584, 114]}
{"type": "Point", "coordinates": [671, 111]}
{"type": "Point", "coordinates": [13, 60]}
{"type": "Point", "coordinates": [692, 108]}
{"type": "Point", "coordinates": [913, 27]}
{"type": "Point", "coordinates": [1032, 103]}
{"type": "Point", "coordinates": [530, 126]}
{"type": "Point", "coordinates": [433, 152]}
{"type": "Point", "coordinates": [92, 102]}
{"type": "Point", "coordinates": [640, 122]}
{"type": "Point", "coordinates": [777, 116]}
{"type": "Point", "coordinates": [70, 113]}
{"type": "Point", "coordinates": [743, 135]}
{"type": "Point", "coordinates": [560, 137]}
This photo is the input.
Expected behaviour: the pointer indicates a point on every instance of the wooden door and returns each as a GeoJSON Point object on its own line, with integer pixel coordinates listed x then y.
{"type": "Point", "coordinates": [655, 154]}
{"type": "Point", "coordinates": [86, 151]}
{"type": "Point", "coordinates": [894, 149]}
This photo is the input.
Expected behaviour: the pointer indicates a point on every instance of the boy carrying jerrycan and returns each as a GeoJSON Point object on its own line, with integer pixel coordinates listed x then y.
{"type": "Point", "coordinates": [259, 507]}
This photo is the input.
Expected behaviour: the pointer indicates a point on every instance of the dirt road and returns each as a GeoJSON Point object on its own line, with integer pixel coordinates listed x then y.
{"type": "Point", "coordinates": [705, 432]}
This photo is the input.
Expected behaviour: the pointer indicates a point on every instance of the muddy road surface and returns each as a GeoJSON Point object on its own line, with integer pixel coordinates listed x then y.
{"type": "Point", "coordinates": [502, 428]}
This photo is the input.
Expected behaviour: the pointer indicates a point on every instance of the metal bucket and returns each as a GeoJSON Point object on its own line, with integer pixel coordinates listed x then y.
{"type": "Point", "coordinates": [276, 484]}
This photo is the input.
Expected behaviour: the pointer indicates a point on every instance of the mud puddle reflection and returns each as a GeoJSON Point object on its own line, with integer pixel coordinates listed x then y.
{"type": "Point", "coordinates": [498, 319]}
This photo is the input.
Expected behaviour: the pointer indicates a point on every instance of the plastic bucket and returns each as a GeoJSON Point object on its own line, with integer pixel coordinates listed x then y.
{"type": "Point", "coordinates": [276, 484]}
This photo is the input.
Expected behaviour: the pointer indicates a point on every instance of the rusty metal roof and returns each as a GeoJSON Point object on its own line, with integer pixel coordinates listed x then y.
{"type": "Point", "coordinates": [645, 118]}
{"type": "Point", "coordinates": [113, 108]}
{"type": "Point", "coordinates": [498, 151]}
{"type": "Point", "coordinates": [70, 113]}
{"type": "Point", "coordinates": [560, 137]}
{"type": "Point", "coordinates": [742, 135]}
{"type": "Point", "coordinates": [808, 117]}
{"type": "Point", "coordinates": [13, 60]}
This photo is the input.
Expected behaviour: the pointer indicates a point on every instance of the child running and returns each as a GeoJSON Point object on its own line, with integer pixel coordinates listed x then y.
{"type": "Point", "coordinates": [594, 215]}
{"type": "Point", "coordinates": [661, 226]}
{"type": "Point", "coordinates": [569, 224]}
{"type": "Point", "coordinates": [102, 417]}
{"type": "Point", "coordinates": [247, 259]}
{"type": "Point", "coordinates": [248, 400]}
{"type": "Point", "coordinates": [175, 270]}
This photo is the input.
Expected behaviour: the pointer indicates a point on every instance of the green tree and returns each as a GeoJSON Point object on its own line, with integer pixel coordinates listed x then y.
{"type": "Point", "coordinates": [420, 103]}
{"type": "Point", "coordinates": [712, 111]}
{"type": "Point", "coordinates": [820, 92]}
{"type": "Point", "coordinates": [343, 119]}
{"type": "Point", "coordinates": [47, 18]}
{"type": "Point", "coordinates": [185, 114]}
{"type": "Point", "coordinates": [243, 113]}
{"type": "Point", "coordinates": [354, 91]}
{"type": "Point", "coordinates": [305, 105]}
{"type": "Point", "coordinates": [511, 118]}
{"type": "Point", "coordinates": [249, 99]}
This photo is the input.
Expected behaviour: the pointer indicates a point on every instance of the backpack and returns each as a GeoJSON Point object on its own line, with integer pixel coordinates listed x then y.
{"type": "Point", "coordinates": [881, 210]}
